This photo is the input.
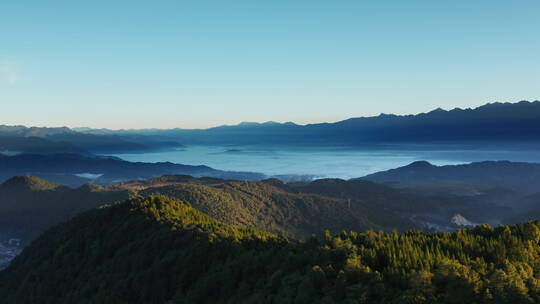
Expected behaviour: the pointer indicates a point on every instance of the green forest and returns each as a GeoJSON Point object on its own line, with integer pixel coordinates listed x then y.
{"type": "Point", "coordinates": [161, 250]}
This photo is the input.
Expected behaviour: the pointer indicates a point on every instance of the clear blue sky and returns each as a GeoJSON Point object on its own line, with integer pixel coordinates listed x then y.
{"type": "Point", "coordinates": [140, 64]}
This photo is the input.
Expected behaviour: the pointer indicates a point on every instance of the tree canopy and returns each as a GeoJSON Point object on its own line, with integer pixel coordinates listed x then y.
{"type": "Point", "coordinates": [161, 250]}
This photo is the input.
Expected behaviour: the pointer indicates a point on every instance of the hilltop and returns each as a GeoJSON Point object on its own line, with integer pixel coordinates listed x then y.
{"type": "Point", "coordinates": [29, 183]}
{"type": "Point", "coordinates": [161, 250]}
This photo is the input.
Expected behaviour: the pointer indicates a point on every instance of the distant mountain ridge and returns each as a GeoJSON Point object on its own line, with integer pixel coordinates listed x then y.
{"type": "Point", "coordinates": [45, 140]}
{"type": "Point", "coordinates": [21, 144]}
{"type": "Point", "coordinates": [32, 131]}
{"type": "Point", "coordinates": [76, 170]}
{"type": "Point", "coordinates": [520, 176]}
{"type": "Point", "coordinates": [493, 122]}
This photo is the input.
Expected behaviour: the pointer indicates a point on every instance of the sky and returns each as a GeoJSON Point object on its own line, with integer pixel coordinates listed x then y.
{"type": "Point", "coordinates": [197, 64]}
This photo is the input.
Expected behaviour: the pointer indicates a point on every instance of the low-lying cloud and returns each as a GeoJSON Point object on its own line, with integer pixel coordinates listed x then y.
{"type": "Point", "coordinates": [89, 175]}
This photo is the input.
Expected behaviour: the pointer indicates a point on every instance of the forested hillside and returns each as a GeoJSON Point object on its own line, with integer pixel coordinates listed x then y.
{"type": "Point", "coordinates": [161, 250]}
{"type": "Point", "coordinates": [30, 205]}
{"type": "Point", "coordinates": [275, 207]}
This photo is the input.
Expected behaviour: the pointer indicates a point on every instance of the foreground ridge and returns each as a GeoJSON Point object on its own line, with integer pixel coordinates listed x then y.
{"type": "Point", "coordinates": [161, 250]}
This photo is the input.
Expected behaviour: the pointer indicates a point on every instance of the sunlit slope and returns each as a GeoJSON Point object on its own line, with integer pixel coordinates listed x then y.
{"type": "Point", "coordinates": [161, 250]}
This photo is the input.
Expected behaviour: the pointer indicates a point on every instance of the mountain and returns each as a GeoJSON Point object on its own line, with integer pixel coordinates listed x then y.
{"type": "Point", "coordinates": [491, 124]}
{"type": "Point", "coordinates": [65, 140]}
{"type": "Point", "coordinates": [518, 176]}
{"type": "Point", "coordinates": [24, 183]}
{"type": "Point", "coordinates": [99, 143]}
{"type": "Point", "coordinates": [30, 205]}
{"type": "Point", "coordinates": [494, 121]}
{"type": "Point", "coordinates": [36, 145]}
{"type": "Point", "coordinates": [488, 124]}
{"type": "Point", "coordinates": [273, 206]}
{"type": "Point", "coordinates": [161, 250]}
{"type": "Point", "coordinates": [300, 209]}
{"type": "Point", "coordinates": [75, 169]}
{"type": "Point", "coordinates": [32, 131]}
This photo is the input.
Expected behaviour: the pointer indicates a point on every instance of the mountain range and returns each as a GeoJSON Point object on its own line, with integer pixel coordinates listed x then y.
{"type": "Point", "coordinates": [180, 239]}
{"type": "Point", "coordinates": [493, 122]}
{"type": "Point", "coordinates": [43, 140]}
{"type": "Point", "coordinates": [98, 229]}
{"type": "Point", "coordinates": [489, 124]}
{"type": "Point", "coordinates": [30, 205]}
{"type": "Point", "coordinates": [298, 209]}
{"type": "Point", "coordinates": [76, 169]}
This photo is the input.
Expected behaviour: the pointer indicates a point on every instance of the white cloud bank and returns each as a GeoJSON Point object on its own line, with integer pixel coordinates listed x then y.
{"type": "Point", "coordinates": [89, 175]}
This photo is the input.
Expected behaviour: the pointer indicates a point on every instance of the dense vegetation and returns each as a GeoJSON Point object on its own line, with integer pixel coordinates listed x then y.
{"type": "Point", "coordinates": [275, 207]}
{"type": "Point", "coordinates": [161, 250]}
{"type": "Point", "coordinates": [30, 205]}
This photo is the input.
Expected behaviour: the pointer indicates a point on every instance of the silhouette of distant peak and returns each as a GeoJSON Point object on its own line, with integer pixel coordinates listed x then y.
{"type": "Point", "coordinates": [438, 110]}
{"type": "Point", "coordinates": [420, 164]}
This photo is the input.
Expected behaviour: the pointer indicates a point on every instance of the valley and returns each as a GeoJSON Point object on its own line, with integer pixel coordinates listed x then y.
{"type": "Point", "coordinates": [289, 222]}
{"type": "Point", "coordinates": [298, 209]}
{"type": "Point", "coordinates": [269, 152]}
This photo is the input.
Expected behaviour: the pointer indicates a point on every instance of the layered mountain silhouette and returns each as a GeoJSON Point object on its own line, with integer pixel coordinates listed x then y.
{"type": "Point", "coordinates": [489, 124]}
{"type": "Point", "coordinates": [76, 169]}
{"type": "Point", "coordinates": [36, 145]}
{"type": "Point", "coordinates": [30, 205]}
{"type": "Point", "coordinates": [45, 140]}
{"type": "Point", "coordinates": [492, 122]}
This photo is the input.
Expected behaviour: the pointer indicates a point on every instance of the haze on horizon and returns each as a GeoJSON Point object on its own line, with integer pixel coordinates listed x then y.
{"type": "Point", "coordinates": [192, 65]}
